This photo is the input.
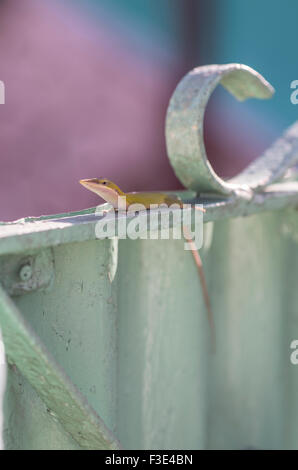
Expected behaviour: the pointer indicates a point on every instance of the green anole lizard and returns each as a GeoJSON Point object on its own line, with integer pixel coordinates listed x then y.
{"type": "Point", "coordinates": [110, 192]}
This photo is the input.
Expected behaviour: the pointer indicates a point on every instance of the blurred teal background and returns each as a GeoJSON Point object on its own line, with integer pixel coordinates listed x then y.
{"type": "Point", "coordinates": [262, 34]}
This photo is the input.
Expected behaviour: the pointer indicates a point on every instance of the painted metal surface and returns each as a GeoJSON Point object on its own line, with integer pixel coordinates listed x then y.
{"type": "Point", "coordinates": [184, 131]}
{"type": "Point", "coordinates": [137, 348]}
{"type": "Point", "coordinates": [118, 343]}
{"type": "Point", "coordinates": [26, 273]}
{"type": "Point", "coordinates": [173, 392]}
{"type": "Point", "coordinates": [62, 399]}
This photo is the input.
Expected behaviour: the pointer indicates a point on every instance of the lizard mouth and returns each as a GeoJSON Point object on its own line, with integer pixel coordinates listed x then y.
{"type": "Point", "coordinates": [104, 192]}
{"type": "Point", "coordinates": [88, 180]}
{"type": "Point", "coordinates": [89, 183]}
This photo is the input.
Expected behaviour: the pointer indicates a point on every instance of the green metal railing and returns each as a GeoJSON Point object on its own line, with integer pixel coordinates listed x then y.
{"type": "Point", "coordinates": [107, 342]}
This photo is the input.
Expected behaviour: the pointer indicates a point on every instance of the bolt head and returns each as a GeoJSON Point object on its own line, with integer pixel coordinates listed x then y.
{"type": "Point", "coordinates": [25, 272]}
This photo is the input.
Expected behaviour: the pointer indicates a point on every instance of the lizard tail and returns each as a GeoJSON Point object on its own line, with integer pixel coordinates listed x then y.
{"type": "Point", "coordinates": [199, 265]}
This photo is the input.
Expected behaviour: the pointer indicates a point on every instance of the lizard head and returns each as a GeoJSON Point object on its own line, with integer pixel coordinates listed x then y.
{"type": "Point", "coordinates": [103, 187]}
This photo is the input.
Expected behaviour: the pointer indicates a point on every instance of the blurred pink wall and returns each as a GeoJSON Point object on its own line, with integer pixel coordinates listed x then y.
{"type": "Point", "coordinates": [78, 104]}
{"type": "Point", "coordinates": [81, 103]}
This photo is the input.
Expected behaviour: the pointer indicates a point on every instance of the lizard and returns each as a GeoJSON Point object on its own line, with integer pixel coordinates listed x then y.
{"type": "Point", "coordinates": [110, 192]}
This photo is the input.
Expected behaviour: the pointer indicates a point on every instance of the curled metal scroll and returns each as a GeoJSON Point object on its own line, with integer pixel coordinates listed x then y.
{"type": "Point", "coordinates": [184, 131]}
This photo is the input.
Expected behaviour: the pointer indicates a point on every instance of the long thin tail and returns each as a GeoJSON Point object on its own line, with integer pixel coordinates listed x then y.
{"type": "Point", "coordinates": [199, 265]}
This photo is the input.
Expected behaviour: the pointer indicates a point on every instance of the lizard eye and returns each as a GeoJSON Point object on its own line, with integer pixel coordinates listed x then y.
{"type": "Point", "coordinates": [104, 182]}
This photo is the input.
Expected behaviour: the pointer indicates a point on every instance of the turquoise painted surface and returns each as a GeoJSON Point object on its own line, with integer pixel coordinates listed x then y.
{"type": "Point", "coordinates": [76, 321]}
{"type": "Point", "coordinates": [28, 424]}
{"type": "Point", "coordinates": [163, 348]}
{"type": "Point", "coordinates": [174, 392]}
{"type": "Point", "coordinates": [138, 348]}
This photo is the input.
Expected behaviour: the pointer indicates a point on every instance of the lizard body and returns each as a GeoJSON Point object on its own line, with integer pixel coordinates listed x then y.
{"type": "Point", "coordinates": [110, 192]}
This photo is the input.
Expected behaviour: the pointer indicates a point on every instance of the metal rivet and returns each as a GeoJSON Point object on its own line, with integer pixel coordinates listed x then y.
{"type": "Point", "coordinates": [25, 272]}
